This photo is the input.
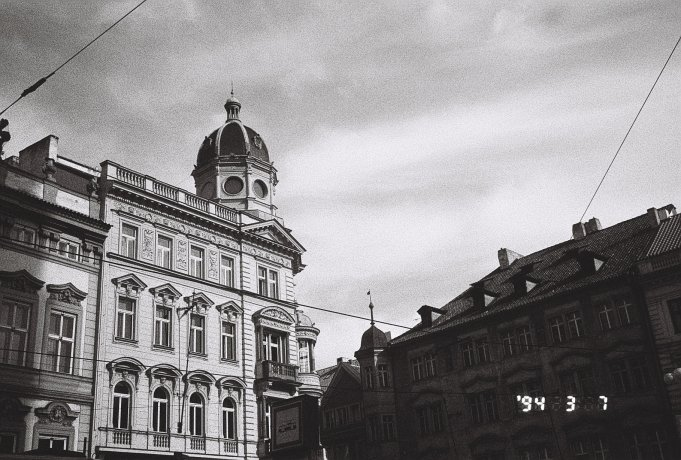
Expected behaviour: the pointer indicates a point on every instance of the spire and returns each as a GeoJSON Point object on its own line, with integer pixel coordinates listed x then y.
{"type": "Point", "coordinates": [232, 106]}
{"type": "Point", "coordinates": [371, 308]}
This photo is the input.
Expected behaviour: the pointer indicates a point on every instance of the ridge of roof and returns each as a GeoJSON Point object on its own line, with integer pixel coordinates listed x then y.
{"type": "Point", "coordinates": [621, 245]}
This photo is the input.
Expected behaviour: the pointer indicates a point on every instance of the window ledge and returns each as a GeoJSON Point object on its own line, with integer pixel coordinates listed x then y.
{"type": "Point", "coordinates": [198, 355]}
{"type": "Point", "coordinates": [163, 348]}
{"type": "Point", "coordinates": [229, 361]}
{"type": "Point", "coordinates": [134, 342]}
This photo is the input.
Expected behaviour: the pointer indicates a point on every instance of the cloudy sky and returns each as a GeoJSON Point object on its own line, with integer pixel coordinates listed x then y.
{"type": "Point", "coordinates": [413, 139]}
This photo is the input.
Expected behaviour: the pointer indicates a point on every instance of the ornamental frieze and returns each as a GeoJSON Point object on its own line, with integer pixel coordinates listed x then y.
{"type": "Point", "coordinates": [181, 227]}
{"type": "Point", "coordinates": [148, 244]}
{"type": "Point", "coordinates": [266, 255]}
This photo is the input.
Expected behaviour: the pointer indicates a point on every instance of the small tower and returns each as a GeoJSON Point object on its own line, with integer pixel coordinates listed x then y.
{"type": "Point", "coordinates": [378, 398]}
{"type": "Point", "coordinates": [233, 166]}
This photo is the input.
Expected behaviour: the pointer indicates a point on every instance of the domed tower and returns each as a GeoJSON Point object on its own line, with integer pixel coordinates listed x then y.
{"type": "Point", "coordinates": [377, 392]}
{"type": "Point", "coordinates": [233, 166]}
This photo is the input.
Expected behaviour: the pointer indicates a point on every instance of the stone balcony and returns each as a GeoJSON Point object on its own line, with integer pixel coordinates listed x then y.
{"type": "Point", "coordinates": [119, 440]}
{"type": "Point", "coordinates": [273, 371]}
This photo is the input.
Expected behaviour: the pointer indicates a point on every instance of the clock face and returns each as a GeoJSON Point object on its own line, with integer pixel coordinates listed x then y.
{"type": "Point", "coordinates": [233, 185]}
{"type": "Point", "coordinates": [260, 189]}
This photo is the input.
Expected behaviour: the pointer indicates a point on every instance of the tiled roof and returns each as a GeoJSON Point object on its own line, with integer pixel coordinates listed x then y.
{"type": "Point", "coordinates": [556, 268]}
{"type": "Point", "coordinates": [327, 374]}
{"type": "Point", "coordinates": [668, 237]}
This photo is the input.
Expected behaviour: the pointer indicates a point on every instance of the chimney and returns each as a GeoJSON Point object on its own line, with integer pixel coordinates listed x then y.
{"type": "Point", "coordinates": [39, 158]}
{"type": "Point", "coordinates": [653, 217]}
{"type": "Point", "coordinates": [592, 226]}
{"type": "Point", "coordinates": [507, 257]}
{"type": "Point", "coordinates": [666, 212]}
{"type": "Point", "coordinates": [428, 314]}
{"type": "Point", "coordinates": [578, 231]}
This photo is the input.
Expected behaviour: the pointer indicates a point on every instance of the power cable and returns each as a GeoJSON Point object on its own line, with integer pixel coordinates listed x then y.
{"type": "Point", "coordinates": [40, 82]}
{"type": "Point", "coordinates": [299, 305]}
{"type": "Point", "coordinates": [629, 130]}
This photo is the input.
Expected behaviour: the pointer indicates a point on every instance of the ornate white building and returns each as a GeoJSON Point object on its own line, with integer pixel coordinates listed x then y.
{"type": "Point", "coordinates": [198, 330]}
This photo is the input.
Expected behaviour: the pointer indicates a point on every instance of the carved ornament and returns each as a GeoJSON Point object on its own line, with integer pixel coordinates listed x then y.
{"type": "Point", "coordinates": [66, 293]}
{"type": "Point", "coordinates": [148, 244]}
{"type": "Point", "coordinates": [21, 281]}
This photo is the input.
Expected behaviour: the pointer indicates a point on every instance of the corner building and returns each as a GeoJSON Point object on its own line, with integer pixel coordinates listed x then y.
{"type": "Point", "coordinates": [199, 329]}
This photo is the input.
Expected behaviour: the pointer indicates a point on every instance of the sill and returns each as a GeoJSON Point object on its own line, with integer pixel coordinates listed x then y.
{"type": "Point", "coordinates": [229, 361]}
{"type": "Point", "coordinates": [198, 355]}
{"type": "Point", "coordinates": [134, 342]}
{"type": "Point", "coordinates": [163, 348]}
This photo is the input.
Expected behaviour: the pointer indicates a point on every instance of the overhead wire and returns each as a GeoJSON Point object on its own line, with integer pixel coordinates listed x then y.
{"type": "Point", "coordinates": [40, 82]}
{"type": "Point", "coordinates": [629, 130]}
{"type": "Point", "coordinates": [300, 305]}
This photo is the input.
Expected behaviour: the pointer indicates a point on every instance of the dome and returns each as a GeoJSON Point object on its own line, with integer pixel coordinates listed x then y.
{"type": "Point", "coordinates": [373, 338]}
{"type": "Point", "coordinates": [232, 139]}
{"type": "Point", "coordinates": [303, 320]}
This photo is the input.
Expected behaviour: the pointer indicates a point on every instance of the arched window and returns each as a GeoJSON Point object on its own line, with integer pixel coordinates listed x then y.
{"type": "Point", "coordinates": [121, 406]}
{"type": "Point", "coordinates": [159, 418]}
{"type": "Point", "coordinates": [196, 415]}
{"type": "Point", "coordinates": [228, 419]}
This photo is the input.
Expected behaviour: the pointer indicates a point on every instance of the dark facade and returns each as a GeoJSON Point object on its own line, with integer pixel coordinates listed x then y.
{"type": "Point", "coordinates": [549, 356]}
{"type": "Point", "coordinates": [342, 419]}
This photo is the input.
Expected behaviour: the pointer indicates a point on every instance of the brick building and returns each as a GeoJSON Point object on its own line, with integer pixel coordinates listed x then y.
{"type": "Point", "coordinates": [551, 355]}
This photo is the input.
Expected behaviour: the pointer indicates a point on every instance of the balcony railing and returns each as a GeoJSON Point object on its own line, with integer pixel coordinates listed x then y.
{"type": "Point", "coordinates": [271, 370]}
{"type": "Point", "coordinates": [168, 442]}
{"type": "Point", "coordinates": [151, 185]}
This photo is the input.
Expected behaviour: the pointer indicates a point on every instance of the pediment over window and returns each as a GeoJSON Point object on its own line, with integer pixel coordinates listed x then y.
{"type": "Point", "coordinates": [165, 294]}
{"type": "Point", "coordinates": [129, 284]}
{"type": "Point", "coordinates": [274, 231]}
{"type": "Point", "coordinates": [521, 372]}
{"type": "Point", "coordinates": [56, 412]}
{"type": "Point", "coordinates": [274, 314]}
{"type": "Point", "coordinates": [479, 383]}
{"type": "Point", "coordinates": [125, 368]}
{"type": "Point", "coordinates": [164, 370]}
{"type": "Point", "coordinates": [200, 376]}
{"type": "Point", "coordinates": [21, 281]}
{"type": "Point", "coordinates": [67, 293]}
{"type": "Point", "coordinates": [200, 301]}
{"type": "Point", "coordinates": [229, 309]}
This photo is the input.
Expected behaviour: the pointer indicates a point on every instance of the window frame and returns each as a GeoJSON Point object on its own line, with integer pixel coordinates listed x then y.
{"type": "Point", "coordinates": [159, 321]}
{"type": "Point", "coordinates": [157, 411]}
{"type": "Point", "coordinates": [227, 413]}
{"type": "Point", "coordinates": [226, 337]}
{"type": "Point", "coordinates": [197, 266]}
{"type": "Point", "coordinates": [265, 288]}
{"type": "Point", "coordinates": [126, 240]}
{"type": "Point", "coordinates": [66, 252]}
{"type": "Point", "coordinates": [132, 315]}
{"type": "Point", "coordinates": [161, 251]}
{"type": "Point", "coordinates": [227, 276]}
{"type": "Point", "coordinates": [192, 334]}
{"type": "Point", "coordinates": [59, 338]}
{"type": "Point", "coordinates": [383, 375]}
{"type": "Point", "coordinates": [12, 330]}
{"type": "Point", "coordinates": [281, 344]}
{"type": "Point", "coordinates": [194, 417]}
{"type": "Point", "coordinates": [116, 420]}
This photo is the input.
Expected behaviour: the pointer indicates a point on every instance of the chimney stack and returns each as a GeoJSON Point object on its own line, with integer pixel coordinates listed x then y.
{"type": "Point", "coordinates": [592, 226]}
{"type": "Point", "coordinates": [578, 231]}
{"type": "Point", "coordinates": [507, 257]}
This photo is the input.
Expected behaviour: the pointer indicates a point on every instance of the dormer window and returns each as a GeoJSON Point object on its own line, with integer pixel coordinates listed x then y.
{"type": "Point", "coordinates": [482, 297]}
{"type": "Point", "coordinates": [522, 284]}
{"type": "Point", "coordinates": [590, 262]}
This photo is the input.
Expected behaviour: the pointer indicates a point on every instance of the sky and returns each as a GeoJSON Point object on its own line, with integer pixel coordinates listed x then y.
{"type": "Point", "coordinates": [412, 139]}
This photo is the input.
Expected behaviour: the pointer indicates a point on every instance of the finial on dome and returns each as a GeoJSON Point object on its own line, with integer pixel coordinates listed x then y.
{"type": "Point", "coordinates": [371, 308]}
{"type": "Point", "coordinates": [232, 106]}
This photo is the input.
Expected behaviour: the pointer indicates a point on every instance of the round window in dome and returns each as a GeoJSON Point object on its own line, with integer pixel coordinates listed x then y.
{"type": "Point", "coordinates": [233, 185]}
{"type": "Point", "coordinates": [260, 189]}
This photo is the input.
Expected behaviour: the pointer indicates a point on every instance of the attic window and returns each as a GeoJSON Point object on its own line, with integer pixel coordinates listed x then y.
{"type": "Point", "coordinates": [522, 284]}
{"type": "Point", "coordinates": [482, 297]}
{"type": "Point", "coordinates": [590, 262]}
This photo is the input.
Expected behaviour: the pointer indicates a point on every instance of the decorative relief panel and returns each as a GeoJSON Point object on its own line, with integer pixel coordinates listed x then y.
{"type": "Point", "coordinates": [181, 262]}
{"type": "Point", "coordinates": [148, 244]}
{"type": "Point", "coordinates": [213, 264]}
{"type": "Point", "coordinates": [266, 255]}
{"type": "Point", "coordinates": [21, 281]}
{"type": "Point", "coordinates": [66, 293]}
{"type": "Point", "coordinates": [56, 413]}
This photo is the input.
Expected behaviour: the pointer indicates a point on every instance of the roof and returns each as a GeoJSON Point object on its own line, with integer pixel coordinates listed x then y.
{"type": "Point", "coordinates": [327, 374]}
{"type": "Point", "coordinates": [373, 338]}
{"type": "Point", "coordinates": [668, 237]}
{"type": "Point", "coordinates": [232, 138]}
{"type": "Point", "coordinates": [557, 271]}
